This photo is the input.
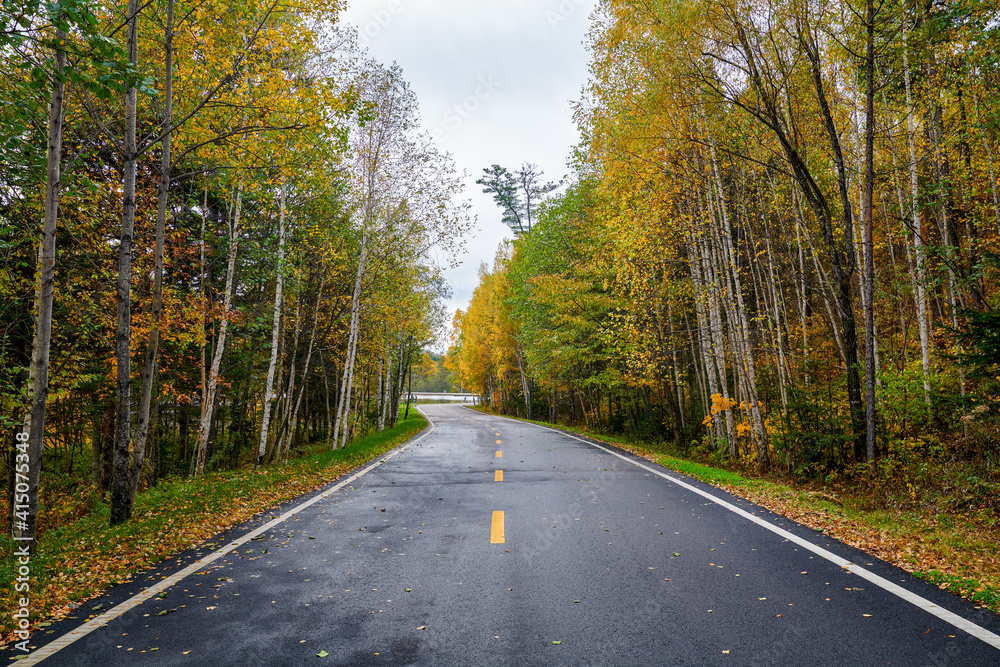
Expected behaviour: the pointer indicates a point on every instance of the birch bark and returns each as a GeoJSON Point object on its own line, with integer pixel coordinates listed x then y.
{"type": "Point", "coordinates": [151, 358]}
{"type": "Point", "coordinates": [31, 441]}
{"type": "Point", "coordinates": [915, 229]}
{"type": "Point", "coordinates": [279, 283]}
{"type": "Point", "coordinates": [343, 403]}
{"type": "Point", "coordinates": [204, 428]}
{"type": "Point", "coordinates": [123, 332]}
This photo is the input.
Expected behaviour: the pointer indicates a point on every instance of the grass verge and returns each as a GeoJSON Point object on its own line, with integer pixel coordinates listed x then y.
{"type": "Point", "coordinates": [78, 560]}
{"type": "Point", "coordinates": [955, 551]}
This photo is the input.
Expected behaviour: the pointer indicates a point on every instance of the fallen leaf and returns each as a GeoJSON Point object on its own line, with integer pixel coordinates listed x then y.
{"type": "Point", "coordinates": [422, 627]}
{"type": "Point", "coordinates": [557, 643]}
{"type": "Point", "coordinates": [322, 654]}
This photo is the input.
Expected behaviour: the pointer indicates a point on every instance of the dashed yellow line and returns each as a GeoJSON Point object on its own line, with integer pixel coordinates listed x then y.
{"type": "Point", "coordinates": [498, 442]}
{"type": "Point", "coordinates": [499, 453]}
{"type": "Point", "coordinates": [498, 476]}
{"type": "Point", "coordinates": [496, 529]}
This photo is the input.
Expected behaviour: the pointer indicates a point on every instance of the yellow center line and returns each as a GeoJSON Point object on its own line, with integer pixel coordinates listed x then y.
{"type": "Point", "coordinates": [499, 453]}
{"type": "Point", "coordinates": [498, 442]}
{"type": "Point", "coordinates": [496, 530]}
{"type": "Point", "coordinates": [498, 476]}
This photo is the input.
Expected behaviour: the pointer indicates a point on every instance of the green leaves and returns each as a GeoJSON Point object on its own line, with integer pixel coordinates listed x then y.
{"type": "Point", "coordinates": [518, 194]}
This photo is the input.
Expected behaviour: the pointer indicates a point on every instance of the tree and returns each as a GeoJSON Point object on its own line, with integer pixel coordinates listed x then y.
{"type": "Point", "coordinates": [402, 191]}
{"type": "Point", "coordinates": [51, 31]}
{"type": "Point", "coordinates": [24, 511]}
{"type": "Point", "coordinates": [518, 195]}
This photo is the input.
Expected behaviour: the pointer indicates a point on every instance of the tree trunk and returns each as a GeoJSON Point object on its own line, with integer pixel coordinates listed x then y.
{"type": "Point", "coordinates": [153, 341]}
{"type": "Point", "coordinates": [204, 429]}
{"type": "Point", "coordinates": [275, 327]}
{"type": "Point", "coordinates": [305, 367]}
{"type": "Point", "coordinates": [716, 339]}
{"type": "Point", "coordinates": [742, 351]}
{"type": "Point", "coordinates": [918, 240]}
{"type": "Point", "coordinates": [121, 484]}
{"type": "Point", "coordinates": [344, 403]}
{"type": "Point", "coordinates": [525, 381]}
{"type": "Point", "coordinates": [867, 243]}
{"type": "Point", "coordinates": [31, 441]}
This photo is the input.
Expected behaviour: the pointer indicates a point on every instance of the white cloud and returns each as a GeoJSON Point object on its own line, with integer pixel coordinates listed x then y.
{"type": "Point", "coordinates": [495, 80]}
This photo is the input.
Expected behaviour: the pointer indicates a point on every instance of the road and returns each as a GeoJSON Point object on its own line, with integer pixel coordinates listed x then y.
{"type": "Point", "coordinates": [495, 542]}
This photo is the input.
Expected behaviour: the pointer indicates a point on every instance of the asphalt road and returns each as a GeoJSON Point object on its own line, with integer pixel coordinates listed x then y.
{"type": "Point", "coordinates": [495, 542]}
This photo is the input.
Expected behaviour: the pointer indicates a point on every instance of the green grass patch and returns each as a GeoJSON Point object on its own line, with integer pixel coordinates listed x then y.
{"type": "Point", "coordinates": [703, 472]}
{"type": "Point", "coordinates": [78, 560]}
{"type": "Point", "coordinates": [971, 589]}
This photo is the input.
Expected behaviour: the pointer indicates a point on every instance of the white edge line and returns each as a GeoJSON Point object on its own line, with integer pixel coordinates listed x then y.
{"type": "Point", "coordinates": [83, 630]}
{"type": "Point", "coordinates": [923, 603]}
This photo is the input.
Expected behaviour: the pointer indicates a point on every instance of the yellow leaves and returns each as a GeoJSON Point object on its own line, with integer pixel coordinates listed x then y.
{"type": "Point", "coordinates": [719, 404]}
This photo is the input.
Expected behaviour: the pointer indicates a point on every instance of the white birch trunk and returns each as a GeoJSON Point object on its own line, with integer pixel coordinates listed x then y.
{"type": "Point", "coordinates": [123, 311]}
{"type": "Point", "coordinates": [340, 427]}
{"type": "Point", "coordinates": [918, 241]}
{"type": "Point", "coordinates": [743, 351]}
{"type": "Point", "coordinates": [205, 425]}
{"type": "Point", "coordinates": [31, 441]}
{"type": "Point", "coordinates": [290, 432]}
{"type": "Point", "coordinates": [151, 359]}
{"type": "Point", "coordinates": [275, 327]}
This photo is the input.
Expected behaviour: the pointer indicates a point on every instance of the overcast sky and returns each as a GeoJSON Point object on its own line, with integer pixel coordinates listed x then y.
{"type": "Point", "coordinates": [495, 80]}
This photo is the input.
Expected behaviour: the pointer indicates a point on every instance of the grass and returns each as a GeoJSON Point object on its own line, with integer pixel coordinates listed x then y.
{"type": "Point", "coordinates": [77, 560]}
{"type": "Point", "coordinates": [956, 551]}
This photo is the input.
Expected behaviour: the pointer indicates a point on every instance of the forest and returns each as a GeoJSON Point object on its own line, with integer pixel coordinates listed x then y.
{"type": "Point", "coordinates": [222, 234]}
{"type": "Point", "coordinates": [779, 249]}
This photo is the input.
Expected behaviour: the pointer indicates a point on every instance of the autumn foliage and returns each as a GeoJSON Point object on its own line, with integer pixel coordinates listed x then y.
{"type": "Point", "coordinates": [202, 266]}
{"type": "Point", "coordinates": [700, 283]}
